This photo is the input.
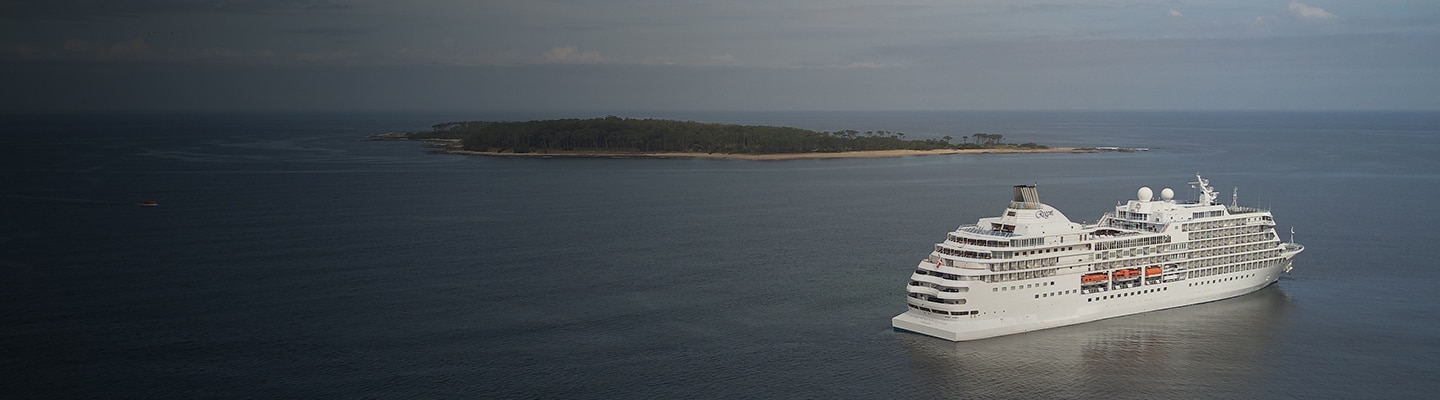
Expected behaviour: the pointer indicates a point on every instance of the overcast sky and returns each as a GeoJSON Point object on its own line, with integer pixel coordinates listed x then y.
{"type": "Point", "coordinates": [720, 54]}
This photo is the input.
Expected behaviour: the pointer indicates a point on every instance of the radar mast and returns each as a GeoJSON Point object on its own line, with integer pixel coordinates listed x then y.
{"type": "Point", "coordinates": [1207, 193]}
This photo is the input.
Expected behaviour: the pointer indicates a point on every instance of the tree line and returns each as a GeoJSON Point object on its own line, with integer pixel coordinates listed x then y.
{"type": "Point", "coordinates": [656, 135]}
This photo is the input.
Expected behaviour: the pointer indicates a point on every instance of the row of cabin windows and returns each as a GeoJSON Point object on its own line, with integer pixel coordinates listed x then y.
{"type": "Point", "coordinates": [1232, 268]}
{"type": "Point", "coordinates": [1006, 255]}
{"type": "Point", "coordinates": [1236, 251]}
{"type": "Point", "coordinates": [1225, 232]}
{"type": "Point", "coordinates": [977, 242]}
{"type": "Point", "coordinates": [1134, 262]}
{"type": "Point", "coordinates": [1136, 242]}
{"type": "Point", "coordinates": [1195, 226]}
{"type": "Point", "coordinates": [944, 312]}
{"type": "Point", "coordinates": [934, 299]}
{"type": "Point", "coordinates": [1019, 276]}
{"type": "Point", "coordinates": [1053, 294]}
{"type": "Point", "coordinates": [961, 253]}
{"type": "Point", "coordinates": [1160, 259]}
{"type": "Point", "coordinates": [1266, 259]}
{"type": "Point", "coordinates": [1207, 214]}
{"type": "Point", "coordinates": [952, 277]}
{"type": "Point", "coordinates": [1198, 257]}
{"type": "Point", "coordinates": [1138, 251]}
{"type": "Point", "coordinates": [1198, 262]}
{"type": "Point", "coordinates": [1029, 242]}
{"type": "Point", "coordinates": [1136, 226]}
{"type": "Point", "coordinates": [1233, 240]}
{"type": "Point", "coordinates": [1128, 294]}
{"type": "Point", "coordinates": [1014, 276]}
{"type": "Point", "coordinates": [1173, 257]}
{"type": "Point", "coordinates": [943, 288]}
{"type": "Point", "coordinates": [1042, 251]}
{"type": "Point", "coordinates": [1007, 277]}
{"type": "Point", "coordinates": [1134, 216]}
{"type": "Point", "coordinates": [1025, 264]}
{"type": "Point", "coordinates": [1221, 280]}
{"type": "Point", "coordinates": [1025, 286]}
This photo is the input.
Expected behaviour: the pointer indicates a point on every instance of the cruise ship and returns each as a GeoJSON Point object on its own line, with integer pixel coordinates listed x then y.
{"type": "Point", "coordinates": [1032, 268]}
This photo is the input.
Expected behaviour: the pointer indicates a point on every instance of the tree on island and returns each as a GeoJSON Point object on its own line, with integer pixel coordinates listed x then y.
{"type": "Point", "coordinates": [989, 138]}
{"type": "Point", "coordinates": [615, 134]}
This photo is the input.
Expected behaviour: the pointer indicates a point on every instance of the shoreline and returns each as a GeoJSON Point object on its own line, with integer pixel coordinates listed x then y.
{"type": "Point", "coordinates": [452, 146]}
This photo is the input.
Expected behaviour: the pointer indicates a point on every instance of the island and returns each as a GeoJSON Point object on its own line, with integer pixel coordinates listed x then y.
{"type": "Point", "coordinates": [615, 137]}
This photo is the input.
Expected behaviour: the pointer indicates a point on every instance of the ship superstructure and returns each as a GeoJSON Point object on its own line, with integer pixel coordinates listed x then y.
{"type": "Point", "coordinates": [1032, 268]}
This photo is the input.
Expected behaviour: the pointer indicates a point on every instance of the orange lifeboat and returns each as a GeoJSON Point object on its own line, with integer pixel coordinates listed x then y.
{"type": "Point", "coordinates": [1093, 278]}
{"type": "Point", "coordinates": [1152, 271]}
{"type": "Point", "coordinates": [1127, 273]}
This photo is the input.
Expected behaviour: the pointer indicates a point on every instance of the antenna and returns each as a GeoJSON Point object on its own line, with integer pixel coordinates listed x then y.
{"type": "Point", "coordinates": [1292, 234]}
{"type": "Point", "coordinates": [1235, 198]}
{"type": "Point", "coordinates": [1207, 193]}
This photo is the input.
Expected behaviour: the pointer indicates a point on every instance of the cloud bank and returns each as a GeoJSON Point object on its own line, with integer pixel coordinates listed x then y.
{"type": "Point", "coordinates": [573, 55]}
{"type": "Point", "coordinates": [1309, 12]}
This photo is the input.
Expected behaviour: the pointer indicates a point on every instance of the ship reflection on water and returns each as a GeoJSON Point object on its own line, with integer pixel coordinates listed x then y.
{"type": "Point", "coordinates": [1222, 347]}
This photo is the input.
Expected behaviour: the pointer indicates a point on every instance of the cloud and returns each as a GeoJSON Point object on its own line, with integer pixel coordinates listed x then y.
{"type": "Point", "coordinates": [573, 55]}
{"type": "Point", "coordinates": [1176, 13]}
{"type": "Point", "coordinates": [1306, 11]}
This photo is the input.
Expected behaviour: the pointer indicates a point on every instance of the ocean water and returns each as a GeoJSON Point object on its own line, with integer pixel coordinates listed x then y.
{"type": "Point", "coordinates": [291, 259]}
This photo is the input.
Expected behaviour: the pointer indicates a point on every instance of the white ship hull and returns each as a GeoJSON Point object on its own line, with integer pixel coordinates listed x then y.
{"type": "Point", "coordinates": [1077, 309]}
{"type": "Point", "coordinates": [1033, 269]}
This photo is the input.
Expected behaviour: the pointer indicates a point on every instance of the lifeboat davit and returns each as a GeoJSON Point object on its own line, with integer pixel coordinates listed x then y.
{"type": "Point", "coordinates": [1127, 273]}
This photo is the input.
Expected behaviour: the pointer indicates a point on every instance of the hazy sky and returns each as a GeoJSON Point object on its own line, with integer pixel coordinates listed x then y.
{"type": "Point", "coordinates": [720, 54]}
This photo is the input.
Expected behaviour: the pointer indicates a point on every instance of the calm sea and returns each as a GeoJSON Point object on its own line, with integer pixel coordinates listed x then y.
{"type": "Point", "coordinates": [289, 258]}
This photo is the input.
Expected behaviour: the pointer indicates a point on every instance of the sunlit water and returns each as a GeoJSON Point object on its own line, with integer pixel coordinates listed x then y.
{"type": "Point", "coordinates": [290, 259]}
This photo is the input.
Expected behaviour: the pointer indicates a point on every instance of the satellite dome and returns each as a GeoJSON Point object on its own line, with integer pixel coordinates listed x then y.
{"type": "Point", "coordinates": [1144, 194]}
{"type": "Point", "coordinates": [1167, 194]}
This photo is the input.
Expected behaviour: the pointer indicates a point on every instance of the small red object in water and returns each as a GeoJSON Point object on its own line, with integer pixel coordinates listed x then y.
{"type": "Point", "coordinates": [149, 203]}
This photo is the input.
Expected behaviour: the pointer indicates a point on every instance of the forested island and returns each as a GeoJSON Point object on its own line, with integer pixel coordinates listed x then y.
{"type": "Point", "coordinates": [615, 136]}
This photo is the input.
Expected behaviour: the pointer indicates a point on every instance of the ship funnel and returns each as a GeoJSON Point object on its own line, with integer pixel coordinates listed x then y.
{"type": "Point", "coordinates": [1027, 194]}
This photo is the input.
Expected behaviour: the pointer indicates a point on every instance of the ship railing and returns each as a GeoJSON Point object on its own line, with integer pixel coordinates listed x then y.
{"type": "Point", "coordinates": [1245, 210]}
{"type": "Point", "coordinates": [982, 231]}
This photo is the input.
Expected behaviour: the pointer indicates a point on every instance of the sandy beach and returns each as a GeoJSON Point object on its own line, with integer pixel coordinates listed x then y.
{"type": "Point", "coordinates": [451, 146]}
